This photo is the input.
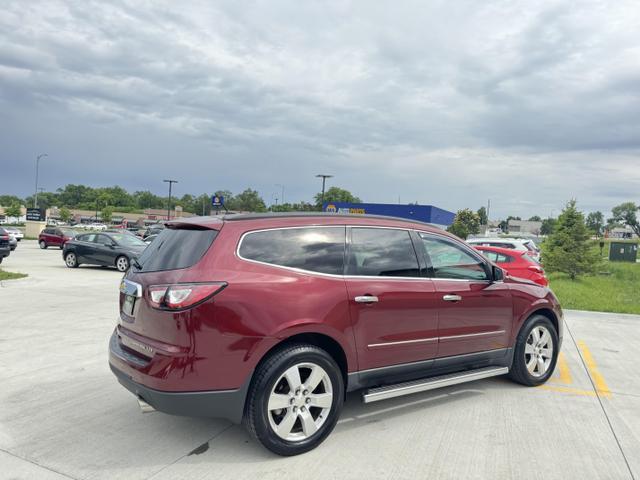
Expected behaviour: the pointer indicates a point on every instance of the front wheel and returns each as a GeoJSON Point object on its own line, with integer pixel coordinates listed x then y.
{"type": "Point", "coordinates": [536, 352]}
{"type": "Point", "coordinates": [71, 260]}
{"type": "Point", "coordinates": [122, 263]}
{"type": "Point", "coordinates": [43, 244]}
{"type": "Point", "coordinates": [295, 399]}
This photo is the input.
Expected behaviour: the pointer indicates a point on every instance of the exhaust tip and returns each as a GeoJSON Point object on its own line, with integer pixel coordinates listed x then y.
{"type": "Point", "coordinates": [144, 406]}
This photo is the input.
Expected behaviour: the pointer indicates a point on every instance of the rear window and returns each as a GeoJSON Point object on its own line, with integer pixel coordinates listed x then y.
{"type": "Point", "coordinates": [317, 249]}
{"type": "Point", "coordinates": [176, 248]}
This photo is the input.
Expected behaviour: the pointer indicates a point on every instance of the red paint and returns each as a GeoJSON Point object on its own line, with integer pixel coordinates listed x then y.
{"type": "Point", "coordinates": [518, 265]}
{"type": "Point", "coordinates": [217, 344]}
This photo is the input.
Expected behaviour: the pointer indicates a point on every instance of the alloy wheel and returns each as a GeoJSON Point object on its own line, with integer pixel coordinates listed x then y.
{"type": "Point", "coordinates": [538, 351]}
{"type": "Point", "coordinates": [300, 402]}
{"type": "Point", "coordinates": [122, 264]}
{"type": "Point", "coordinates": [70, 259]}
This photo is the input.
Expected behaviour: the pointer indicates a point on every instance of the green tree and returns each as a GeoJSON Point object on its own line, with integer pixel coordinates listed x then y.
{"type": "Point", "coordinates": [13, 210]}
{"type": "Point", "coordinates": [548, 226]}
{"type": "Point", "coordinates": [482, 215]}
{"type": "Point", "coordinates": [106, 214]}
{"type": "Point", "coordinates": [249, 201]}
{"type": "Point", "coordinates": [595, 222]}
{"type": "Point", "coordinates": [625, 214]}
{"type": "Point", "coordinates": [6, 200]}
{"type": "Point", "coordinates": [535, 218]}
{"type": "Point", "coordinates": [568, 248]}
{"type": "Point", "coordinates": [465, 223]}
{"type": "Point", "coordinates": [65, 215]}
{"type": "Point", "coordinates": [336, 194]}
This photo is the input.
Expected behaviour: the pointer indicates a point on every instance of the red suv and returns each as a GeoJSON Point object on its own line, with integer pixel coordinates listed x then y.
{"type": "Point", "coordinates": [270, 320]}
{"type": "Point", "coordinates": [516, 263]}
{"type": "Point", "coordinates": [55, 237]}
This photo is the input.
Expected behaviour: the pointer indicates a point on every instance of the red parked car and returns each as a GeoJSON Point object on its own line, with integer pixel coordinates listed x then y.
{"type": "Point", "coordinates": [55, 237]}
{"type": "Point", "coordinates": [270, 320]}
{"type": "Point", "coordinates": [516, 263]}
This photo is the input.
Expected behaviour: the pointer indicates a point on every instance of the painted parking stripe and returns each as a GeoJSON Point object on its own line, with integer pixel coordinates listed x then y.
{"type": "Point", "coordinates": [598, 380]}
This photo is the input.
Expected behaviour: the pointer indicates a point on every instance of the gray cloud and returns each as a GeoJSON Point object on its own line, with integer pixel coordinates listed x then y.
{"type": "Point", "coordinates": [447, 103]}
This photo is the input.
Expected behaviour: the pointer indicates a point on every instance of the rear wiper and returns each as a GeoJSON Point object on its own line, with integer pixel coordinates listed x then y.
{"type": "Point", "coordinates": [136, 263]}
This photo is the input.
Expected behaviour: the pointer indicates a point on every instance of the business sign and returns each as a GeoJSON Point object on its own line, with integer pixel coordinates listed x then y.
{"type": "Point", "coordinates": [217, 201]}
{"type": "Point", "coordinates": [35, 215]}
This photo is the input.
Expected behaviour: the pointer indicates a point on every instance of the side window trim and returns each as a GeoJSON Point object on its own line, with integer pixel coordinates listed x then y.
{"type": "Point", "coordinates": [472, 252]}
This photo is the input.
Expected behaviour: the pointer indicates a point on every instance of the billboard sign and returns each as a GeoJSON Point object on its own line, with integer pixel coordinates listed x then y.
{"type": "Point", "coordinates": [35, 215]}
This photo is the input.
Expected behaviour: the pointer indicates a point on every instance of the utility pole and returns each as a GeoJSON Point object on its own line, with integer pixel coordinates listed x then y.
{"type": "Point", "coordinates": [282, 195]}
{"type": "Point", "coordinates": [324, 179]}
{"type": "Point", "coordinates": [35, 199]}
{"type": "Point", "coordinates": [488, 207]}
{"type": "Point", "coordinates": [170, 182]}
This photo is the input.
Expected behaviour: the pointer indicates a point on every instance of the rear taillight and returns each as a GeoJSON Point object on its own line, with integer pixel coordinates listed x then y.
{"type": "Point", "coordinates": [182, 295]}
{"type": "Point", "coordinates": [535, 268]}
{"type": "Point", "coordinates": [4, 237]}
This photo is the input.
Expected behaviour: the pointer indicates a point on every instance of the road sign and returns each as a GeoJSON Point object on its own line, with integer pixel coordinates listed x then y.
{"type": "Point", "coordinates": [217, 201]}
{"type": "Point", "coordinates": [35, 215]}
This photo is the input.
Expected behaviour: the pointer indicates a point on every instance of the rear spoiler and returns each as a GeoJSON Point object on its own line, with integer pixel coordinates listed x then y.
{"type": "Point", "coordinates": [195, 223]}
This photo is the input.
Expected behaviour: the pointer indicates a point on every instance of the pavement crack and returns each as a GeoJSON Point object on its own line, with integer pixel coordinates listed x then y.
{"type": "Point", "coordinates": [33, 462]}
{"type": "Point", "coordinates": [197, 451]}
{"type": "Point", "coordinates": [604, 410]}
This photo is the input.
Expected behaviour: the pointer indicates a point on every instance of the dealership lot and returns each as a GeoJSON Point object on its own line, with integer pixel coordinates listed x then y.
{"type": "Point", "coordinates": [63, 414]}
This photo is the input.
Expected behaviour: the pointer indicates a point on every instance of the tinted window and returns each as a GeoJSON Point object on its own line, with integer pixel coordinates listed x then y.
{"type": "Point", "coordinates": [176, 248]}
{"type": "Point", "coordinates": [452, 261]}
{"type": "Point", "coordinates": [87, 238]}
{"type": "Point", "coordinates": [128, 240]}
{"type": "Point", "coordinates": [502, 245]}
{"type": "Point", "coordinates": [318, 249]}
{"type": "Point", "coordinates": [382, 252]}
{"type": "Point", "coordinates": [103, 240]}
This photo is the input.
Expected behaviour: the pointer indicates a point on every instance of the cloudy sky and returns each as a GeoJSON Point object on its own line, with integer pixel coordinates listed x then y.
{"type": "Point", "coordinates": [441, 102]}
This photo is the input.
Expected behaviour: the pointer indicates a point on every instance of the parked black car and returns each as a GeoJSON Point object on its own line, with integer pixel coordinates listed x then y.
{"type": "Point", "coordinates": [105, 249]}
{"type": "Point", "coordinates": [5, 248]}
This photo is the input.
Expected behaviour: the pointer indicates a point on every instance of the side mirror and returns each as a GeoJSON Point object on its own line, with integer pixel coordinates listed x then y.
{"type": "Point", "coordinates": [497, 274]}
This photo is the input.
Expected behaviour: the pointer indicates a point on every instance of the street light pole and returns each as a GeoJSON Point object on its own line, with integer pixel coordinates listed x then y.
{"type": "Point", "coordinates": [324, 178]}
{"type": "Point", "coordinates": [35, 199]}
{"type": "Point", "coordinates": [170, 182]}
{"type": "Point", "coordinates": [281, 196]}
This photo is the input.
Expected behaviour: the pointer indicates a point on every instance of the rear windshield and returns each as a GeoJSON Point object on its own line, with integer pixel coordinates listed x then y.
{"type": "Point", "coordinates": [174, 249]}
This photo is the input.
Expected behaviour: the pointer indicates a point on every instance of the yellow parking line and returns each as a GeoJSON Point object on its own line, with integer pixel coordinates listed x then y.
{"type": "Point", "coordinates": [575, 391]}
{"type": "Point", "coordinates": [598, 380]}
{"type": "Point", "coordinates": [563, 369]}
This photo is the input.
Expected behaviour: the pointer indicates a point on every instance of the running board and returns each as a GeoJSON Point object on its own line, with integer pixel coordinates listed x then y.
{"type": "Point", "coordinates": [422, 385]}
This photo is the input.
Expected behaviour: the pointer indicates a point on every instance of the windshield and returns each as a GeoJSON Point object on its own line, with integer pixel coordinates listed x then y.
{"type": "Point", "coordinates": [68, 232]}
{"type": "Point", "coordinates": [128, 240]}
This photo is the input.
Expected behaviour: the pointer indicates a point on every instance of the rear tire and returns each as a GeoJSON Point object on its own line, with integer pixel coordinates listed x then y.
{"type": "Point", "coordinates": [536, 352]}
{"type": "Point", "coordinates": [71, 260]}
{"type": "Point", "coordinates": [43, 244]}
{"type": "Point", "coordinates": [122, 263]}
{"type": "Point", "coordinates": [294, 400]}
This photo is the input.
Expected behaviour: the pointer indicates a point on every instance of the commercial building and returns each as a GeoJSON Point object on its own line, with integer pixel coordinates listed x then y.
{"type": "Point", "coordinates": [422, 213]}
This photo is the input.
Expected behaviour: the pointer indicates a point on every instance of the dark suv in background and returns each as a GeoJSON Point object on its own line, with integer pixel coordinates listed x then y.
{"type": "Point", "coordinates": [5, 247]}
{"type": "Point", "coordinates": [270, 320]}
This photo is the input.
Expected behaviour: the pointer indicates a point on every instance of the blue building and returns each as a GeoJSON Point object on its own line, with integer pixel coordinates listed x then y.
{"type": "Point", "coordinates": [421, 213]}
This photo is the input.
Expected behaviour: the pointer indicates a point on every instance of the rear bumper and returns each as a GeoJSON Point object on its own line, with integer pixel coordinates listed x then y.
{"type": "Point", "coordinates": [227, 404]}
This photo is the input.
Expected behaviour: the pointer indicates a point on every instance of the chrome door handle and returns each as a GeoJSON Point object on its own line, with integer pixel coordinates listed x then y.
{"type": "Point", "coordinates": [366, 299]}
{"type": "Point", "coordinates": [452, 298]}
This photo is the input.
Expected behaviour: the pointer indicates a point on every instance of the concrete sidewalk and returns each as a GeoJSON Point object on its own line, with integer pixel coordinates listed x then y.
{"type": "Point", "coordinates": [64, 415]}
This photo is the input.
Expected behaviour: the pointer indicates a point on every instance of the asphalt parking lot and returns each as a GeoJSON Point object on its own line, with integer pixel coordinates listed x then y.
{"type": "Point", "coordinates": [64, 415]}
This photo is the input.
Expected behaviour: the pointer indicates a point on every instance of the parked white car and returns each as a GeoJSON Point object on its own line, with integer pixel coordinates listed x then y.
{"type": "Point", "coordinates": [97, 226]}
{"type": "Point", "coordinates": [518, 244]}
{"type": "Point", "coordinates": [15, 232]}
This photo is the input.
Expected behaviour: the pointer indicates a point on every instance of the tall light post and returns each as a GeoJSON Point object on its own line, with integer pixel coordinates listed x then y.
{"type": "Point", "coordinates": [35, 198]}
{"type": "Point", "coordinates": [324, 179]}
{"type": "Point", "coordinates": [170, 182]}
{"type": "Point", "coordinates": [281, 196]}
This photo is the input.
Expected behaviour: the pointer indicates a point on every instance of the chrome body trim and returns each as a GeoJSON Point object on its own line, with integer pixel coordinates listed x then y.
{"type": "Point", "coordinates": [469, 335]}
{"type": "Point", "coordinates": [403, 342]}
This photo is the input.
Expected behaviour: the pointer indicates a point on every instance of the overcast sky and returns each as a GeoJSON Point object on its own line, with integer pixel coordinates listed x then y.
{"type": "Point", "coordinates": [440, 102]}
